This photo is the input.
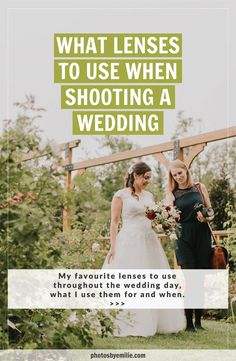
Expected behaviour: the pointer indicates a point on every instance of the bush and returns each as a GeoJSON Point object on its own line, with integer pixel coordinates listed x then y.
{"type": "Point", "coordinates": [31, 206]}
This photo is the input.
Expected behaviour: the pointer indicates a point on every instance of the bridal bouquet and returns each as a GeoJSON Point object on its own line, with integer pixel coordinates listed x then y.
{"type": "Point", "coordinates": [164, 218]}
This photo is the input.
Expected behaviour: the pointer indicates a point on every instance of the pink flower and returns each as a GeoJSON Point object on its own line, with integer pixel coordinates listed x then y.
{"type": "Point", "coordinates": [73, 317]}
{"type": "Point", "coordinates": [95, 247]}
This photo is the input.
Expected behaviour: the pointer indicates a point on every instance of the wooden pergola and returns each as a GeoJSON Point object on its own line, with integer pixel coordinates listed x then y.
{"type": "Point", "coordinates": [197, 144]}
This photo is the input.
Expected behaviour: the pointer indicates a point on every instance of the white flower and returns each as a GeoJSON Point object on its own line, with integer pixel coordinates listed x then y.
{"type": "Point", "coordinates": [159, 227]}
{"type": "Point", "coordinates": [73, 318]}
{"type": "Point", "coordinates": [173, 237]}
{"type": "Point", "coordinates": [130, 170]}
{"type": "Point", "coordinates": [155, 208]}
{"type": "Point", "coordinates": [95, 247]}
{"type": "Point", "coordinates": [165, 214]}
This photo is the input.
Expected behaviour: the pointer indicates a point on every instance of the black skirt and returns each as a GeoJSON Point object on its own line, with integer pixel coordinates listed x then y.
{"type": "Point", "coordinates": [193, 245]}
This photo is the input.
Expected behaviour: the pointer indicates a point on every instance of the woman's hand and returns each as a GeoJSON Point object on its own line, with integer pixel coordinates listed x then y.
{"type": "Point", "coordinates": [201, 218]}
{"type": "Point", "coordinates": [111, 255]}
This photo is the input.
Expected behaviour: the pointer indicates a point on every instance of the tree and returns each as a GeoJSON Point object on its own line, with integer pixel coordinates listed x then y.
{"type": "Point", "coordinates": [90, 206]}
{"type": "Point", "coordinates": [158, 183]}
{"type": "Point", "coordinates": [230, 243]}
{"type": "Point", "coordinates": [183, 126]}
{"type": "Point", "coordinates": [111, 176]}
{"type": "Point", "coordinates": [31, 205]}
{"type": "Point", "coordinates": [221, 194]}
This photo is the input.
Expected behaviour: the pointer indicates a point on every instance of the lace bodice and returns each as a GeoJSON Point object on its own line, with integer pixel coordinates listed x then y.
{"type": "Point", "coordinates": [185, 200]}
{"type": "Point", "coordinates": [133, 209]}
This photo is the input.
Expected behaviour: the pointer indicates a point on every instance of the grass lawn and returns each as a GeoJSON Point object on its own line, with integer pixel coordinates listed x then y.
{"type": "Point", "coordinates": [218, 335]}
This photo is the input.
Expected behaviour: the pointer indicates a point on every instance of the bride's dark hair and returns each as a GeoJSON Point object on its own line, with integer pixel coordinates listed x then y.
{"type": "Point", "coordinates": [139, 168]}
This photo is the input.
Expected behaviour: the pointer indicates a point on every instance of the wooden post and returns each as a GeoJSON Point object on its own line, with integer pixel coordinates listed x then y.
{"type": "Point", "coordinates": [67, 186]}
{"type": "Point", "coordinates": [178, 152]}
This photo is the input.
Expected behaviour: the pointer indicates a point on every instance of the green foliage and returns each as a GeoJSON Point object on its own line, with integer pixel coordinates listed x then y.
{"type": "Point", "coordinates": [31, 236]}
{"type": "Point", "coordinates": [218, 335]}
{"type": "Point", "coordinates": [95, 188]}
{"type": "Point", "coordinates": [112, 176]}
{"type": "Point", "coordinates": [220, 159]}
{"type": "Point", "coordinates": [76, 249]}
{"type": "Point", "coordinates": [157, 186]}
{"type": "Point", "coordinates": [87, 198]}
{"type": "Point", "coordinates": [230, 243]}
{"type": "Point", "coordinates": [185, 127]}
{"type": "Point", "coordinates": [221, 194]}
{"type": "Point", "coordinates": [29, 225]}
{"type": "Point", "coordinates": [60, 329]}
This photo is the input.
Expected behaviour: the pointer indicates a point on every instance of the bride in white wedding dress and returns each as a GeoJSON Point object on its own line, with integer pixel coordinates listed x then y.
{"type": "Point", "coordinates": [136, 246]}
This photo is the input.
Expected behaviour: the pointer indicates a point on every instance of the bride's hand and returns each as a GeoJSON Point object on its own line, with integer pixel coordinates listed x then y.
{"type": "Point", "coordinates": [110, 255]}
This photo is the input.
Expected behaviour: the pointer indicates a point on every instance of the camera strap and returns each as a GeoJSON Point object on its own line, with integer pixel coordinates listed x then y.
{"type": "Point", "coordinates": [214, 241]}
{"type": "Point", "coordinates": [199, 188]}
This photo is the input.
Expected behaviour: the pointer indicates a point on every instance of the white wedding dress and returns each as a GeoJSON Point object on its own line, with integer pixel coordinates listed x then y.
{"type": "Point", "coordinates": [137, 247]}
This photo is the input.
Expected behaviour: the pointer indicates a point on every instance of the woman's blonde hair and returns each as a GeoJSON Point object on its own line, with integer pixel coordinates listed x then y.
{"type": "Point", "coordinates": [172, 184]}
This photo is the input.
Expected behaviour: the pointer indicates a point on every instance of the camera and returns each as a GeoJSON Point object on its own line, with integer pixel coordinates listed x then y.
{"type": "Point", "coordinates": [206, 212]}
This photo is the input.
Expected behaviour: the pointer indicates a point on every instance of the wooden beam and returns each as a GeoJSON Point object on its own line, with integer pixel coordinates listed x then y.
{"type": "Point", "coordinates": [208, 137]}
{"type": "Point", "coordinates": [193, 153]}
{"type": "Point", "coordinates": [162, 159]}
{"type": "Point", "coordinates": [60, 148]}
{"type": "Point", "coordinates": [164, 147]}
{"type": "Point", "coordinates": [129, 154]}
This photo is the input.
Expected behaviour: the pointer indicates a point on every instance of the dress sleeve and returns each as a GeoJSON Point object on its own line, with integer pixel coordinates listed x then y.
{"type": "Point", "coordinates": [118, 194]}
{"type": "Point", "coordinates": [150, 196]}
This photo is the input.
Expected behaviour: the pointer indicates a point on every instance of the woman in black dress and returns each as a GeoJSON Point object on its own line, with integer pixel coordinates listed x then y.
{"type": "Point", "coordinates": [193, 245]}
